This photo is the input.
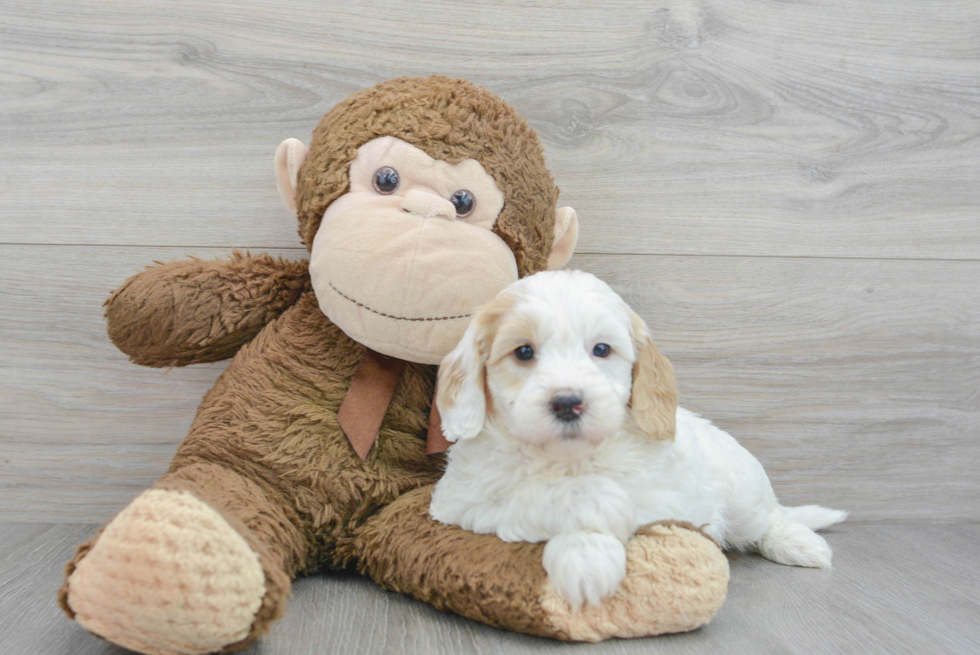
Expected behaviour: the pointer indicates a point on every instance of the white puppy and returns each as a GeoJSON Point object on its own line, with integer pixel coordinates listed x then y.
{"type": "Point", "coordinates": [564, 414]}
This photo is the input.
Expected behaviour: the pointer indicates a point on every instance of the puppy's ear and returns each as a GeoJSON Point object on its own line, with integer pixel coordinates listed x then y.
{"type": "Point", "coordinates": [654, 397]}
{"type": "Point", "coordinates": [460, 393]}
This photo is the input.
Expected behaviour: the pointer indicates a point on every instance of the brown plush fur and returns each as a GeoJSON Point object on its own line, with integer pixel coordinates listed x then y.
{"type": "Point", "coordinates": [450, 120]}
{"type": "Point", "coordinates": [197, 311]}
{"type": "Point", "coordinates": [265, 449]}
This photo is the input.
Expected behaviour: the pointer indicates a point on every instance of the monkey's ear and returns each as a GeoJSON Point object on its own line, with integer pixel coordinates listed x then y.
{"type": "Point", "coordinates": [566, 234]}
{"type": "Point", "coordinates": [290, 155]}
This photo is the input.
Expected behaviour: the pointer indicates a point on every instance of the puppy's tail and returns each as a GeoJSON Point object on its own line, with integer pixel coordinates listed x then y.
{"type": "Point", "coordinates": [815, 517]}
{"type": "Point", "coordinates": [790, 538]}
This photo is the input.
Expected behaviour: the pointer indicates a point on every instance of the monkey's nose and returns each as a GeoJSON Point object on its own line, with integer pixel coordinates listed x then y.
{"type": "Point", "coordinates": [428, 204]}
{"type": "Point", "coordinates": [567, 407]}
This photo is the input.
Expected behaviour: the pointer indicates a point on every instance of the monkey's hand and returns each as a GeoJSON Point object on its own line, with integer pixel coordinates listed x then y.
{"type": "Point", "coordinates": [192, 311]}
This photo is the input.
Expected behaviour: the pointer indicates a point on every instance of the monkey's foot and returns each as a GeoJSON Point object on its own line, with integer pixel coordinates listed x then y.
{"type": "Point", "coordinates": [168, 576]}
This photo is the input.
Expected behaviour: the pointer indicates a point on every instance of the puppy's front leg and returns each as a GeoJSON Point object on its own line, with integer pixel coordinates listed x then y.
{"type": "Point", "coordinates": [586, 522]}
{"type": "Point", "coordinates": [585, 566]}
{"type": "Point", "coordinates": [586, 560]}
{"type": "Point", "coordinates": [540, 511]}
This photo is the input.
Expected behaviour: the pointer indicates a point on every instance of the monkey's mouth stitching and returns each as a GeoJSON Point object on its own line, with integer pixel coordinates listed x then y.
{"type": "Point", "coordinates": [397, 318]}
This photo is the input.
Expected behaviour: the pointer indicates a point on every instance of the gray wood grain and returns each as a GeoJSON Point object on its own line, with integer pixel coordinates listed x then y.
{"type": "Point", "coordinates": [855, 382]}
{"type": "Point", "coordinates": [82, 430]}
{"type": "Point", "coordinates": [894, 589]}
{"type": "Point", "coordinates": [750, 127]}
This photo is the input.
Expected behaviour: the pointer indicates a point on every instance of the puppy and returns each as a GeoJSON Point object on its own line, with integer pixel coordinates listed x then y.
{"type": "Point", "coordinates": [567, 431]}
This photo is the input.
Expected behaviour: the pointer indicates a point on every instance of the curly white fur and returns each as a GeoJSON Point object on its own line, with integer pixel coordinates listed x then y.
{"type": "Point", "coordinates": [585, 485]}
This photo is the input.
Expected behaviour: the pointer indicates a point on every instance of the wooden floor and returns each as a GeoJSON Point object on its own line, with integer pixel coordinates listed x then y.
{"type": "Point", "coordinates": [789, 193]}
{"type": "Point", "coordinates": [894, 589]}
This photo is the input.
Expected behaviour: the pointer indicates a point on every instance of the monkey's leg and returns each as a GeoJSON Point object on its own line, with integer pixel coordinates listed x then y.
{"type": "Point", "coordinates": [676, 578]}
{"type": "Point", "coordinates": [200, 563]}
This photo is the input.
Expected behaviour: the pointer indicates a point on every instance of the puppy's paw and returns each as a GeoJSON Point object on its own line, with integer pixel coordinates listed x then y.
{"type": "Point", "coordinates": [585, 567]}
{"type": "Point", "coordinates": [675, 582]}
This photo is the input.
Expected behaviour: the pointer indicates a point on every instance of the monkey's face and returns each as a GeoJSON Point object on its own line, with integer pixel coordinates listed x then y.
{"type": "Point", "coordinates": [415, 244]}
{"type": "Point", "coordinates": [401, 262]}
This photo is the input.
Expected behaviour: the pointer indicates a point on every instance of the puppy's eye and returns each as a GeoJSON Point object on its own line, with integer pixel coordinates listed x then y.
{"type": "Point", "coordinates": [463, 200]}
{"type": "Point", "coordinates": [601, 350]}
{"type": "Point", "coordinates": [524, 353]}
{"type": "Point", "coordinates": [386, 180]}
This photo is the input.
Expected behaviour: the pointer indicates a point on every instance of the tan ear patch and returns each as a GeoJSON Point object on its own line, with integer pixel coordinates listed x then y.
{"type": "Point", "coordinates": [488, 320]}
{"type": "Point", "coordinates": [455, 372]}
{"type": "Point", "coordinates": [461, 395]}
{"type": "Point", "coordinates": [654, 396]}
{"type": "Point", "coordinates": [452, 380]}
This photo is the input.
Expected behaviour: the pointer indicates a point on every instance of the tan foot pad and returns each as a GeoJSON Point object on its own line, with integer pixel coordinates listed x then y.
{"type": "Point", "coordinates": [676, 579]}
{"type": "Point", "coordinates": [168, 576]}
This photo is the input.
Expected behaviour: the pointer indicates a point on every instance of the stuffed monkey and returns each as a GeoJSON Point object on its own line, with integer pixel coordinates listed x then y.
{"type": "Point", "coordinates": [419, 199]}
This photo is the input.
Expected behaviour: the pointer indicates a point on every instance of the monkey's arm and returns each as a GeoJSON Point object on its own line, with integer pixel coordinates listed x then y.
{"type": "Point", "coordinates": [193, 311]}
{"type": "Point", "coordinates": [676, 578]}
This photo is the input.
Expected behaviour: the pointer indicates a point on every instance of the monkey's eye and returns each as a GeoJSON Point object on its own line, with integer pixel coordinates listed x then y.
{"type": "Point", "coordinates": [464, 201]}
{"type": "Point", "coordinates": [524, 353]}
{"type": "Point", "coordinates": [386, 180]}
{"type": "Point", "coordinates": [601, 350]}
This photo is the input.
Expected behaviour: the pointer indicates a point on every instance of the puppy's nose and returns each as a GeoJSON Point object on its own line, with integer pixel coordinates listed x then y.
{"type": "Point", "coordinates": [567, 407]}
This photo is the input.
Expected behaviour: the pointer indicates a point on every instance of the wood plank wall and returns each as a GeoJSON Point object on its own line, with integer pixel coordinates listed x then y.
{"type": "Point", "coordinates": [789, 192]}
